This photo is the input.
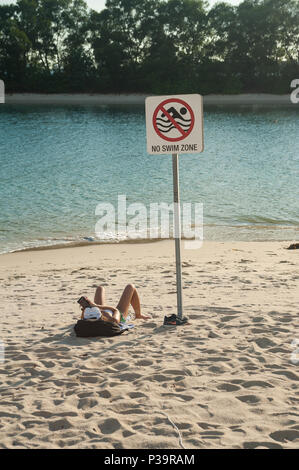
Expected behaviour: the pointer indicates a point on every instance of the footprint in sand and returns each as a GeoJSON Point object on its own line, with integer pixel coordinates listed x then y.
{"type": "Point", "coordinates": [211, 434]}
{"type": "Point", "coordinates": [255, 445]}
{"type": "Point", "coordinates": [127, 433]}
{"type": "Point", "coordinates": [32, 423]}
{"type": "Point", "coordinates": [90, 380]}
{"type": "Point", "coordinates": [144, 362]}
{"type": "Point", "coordinates": [59, 424]}
{"type": "Point", "coordinates": [176, 395]}
{"type": "Point", "coordinates": [204, 425]}
{"type": "Point", "coordinates": [134, 409]}
{"type": "Point", "coordinates": [28, 435]}
{"type": "Point", "coordinates": [109, 426]}
{"type": "Point", "coordinates": [120, 366]}
{"type": "Point", "coordinates": [227, 318]}
{"type": "Point", "coordinates": [285, 435]}
{"type": "Point", "coordinates": [104, 394]}
{"type": "Point", "coordinates": [5, 414]}
{"type": "Point", "coordinates": [227, 387]}
{"type": "Point", "coordinates": [256, 383]}
{"type": "Point", "coordinates": [86, 403]}
{"type": "Point", "coordinates": [129, 376]}
{"type": "Point", "coordinates": [290, 375]}
{"type": "Point", "coordinates": [217, 369]}
{"type": "Point", "coordinates": [159, 378]}
{"type": "Point", "coordinates": [48, 364]}
{"type": "Point", "coordinates": [250, 399]}
{"type": "Point", "coordinates": [43, 414]}
{"type": "Point", "coordinates": [137, 395]}
{"type": "Point", "coordinates": [265, 343]}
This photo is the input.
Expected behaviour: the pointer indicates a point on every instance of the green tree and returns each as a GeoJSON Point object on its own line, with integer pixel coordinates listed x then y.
{"type": "Point", "coordinates": [119, 39]}
{"type": "Point", "coordinates": [254, 42]}
{"type": "Point", "coordinates": [157, 46]}
{"type": "Point", "coordinates": [14, 48]}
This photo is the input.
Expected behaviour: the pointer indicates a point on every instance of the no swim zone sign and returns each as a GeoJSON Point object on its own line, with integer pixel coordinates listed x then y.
{"type": "Point", "coordinates": [174, 124]}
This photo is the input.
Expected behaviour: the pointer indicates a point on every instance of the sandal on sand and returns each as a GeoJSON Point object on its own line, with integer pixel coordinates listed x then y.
{"type": "Point", "coordinates": [175, 320]}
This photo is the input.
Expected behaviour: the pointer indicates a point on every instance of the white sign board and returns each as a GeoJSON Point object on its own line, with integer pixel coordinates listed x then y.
{"type": "Point", "coordinates": [2, 92]}
{"type": "Point", "coordinates": [174, 124]}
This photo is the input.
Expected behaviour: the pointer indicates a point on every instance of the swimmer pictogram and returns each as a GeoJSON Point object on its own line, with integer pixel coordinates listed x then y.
{"type": "Point", "coordinates": [173, 119]}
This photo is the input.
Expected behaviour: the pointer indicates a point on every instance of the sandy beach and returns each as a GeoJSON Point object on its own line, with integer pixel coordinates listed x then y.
{"type": "Point", "coordinates": [228, 379]}
{"type": "Point", "coordinates": [262, 99]}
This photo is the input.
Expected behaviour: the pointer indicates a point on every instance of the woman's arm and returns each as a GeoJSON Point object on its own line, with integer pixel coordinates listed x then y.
{"type": "Point", "coordinates": [82, 314]}
{"type": "Point", "coordinates": [108, 317]}
{"type": "Point", "coordinates": [102, 307]}
{"type": "Point", "coordinates": [106, 307]}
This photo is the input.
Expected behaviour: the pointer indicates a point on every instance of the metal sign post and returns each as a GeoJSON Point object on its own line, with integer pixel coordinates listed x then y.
{"type": "Point", "coordinates": [174, 125]}
{"type": "Point", "coordinates": [177, 232]}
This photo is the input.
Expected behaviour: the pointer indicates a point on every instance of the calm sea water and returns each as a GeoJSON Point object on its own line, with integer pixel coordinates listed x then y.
{"type": "Point", "coordinates": [58, 162]}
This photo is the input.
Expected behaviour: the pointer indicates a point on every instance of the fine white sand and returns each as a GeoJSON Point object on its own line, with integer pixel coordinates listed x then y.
{"type": "Point", "coordinates": [261, 99]}
{"type": "Point", "coordinates": [229, 379]}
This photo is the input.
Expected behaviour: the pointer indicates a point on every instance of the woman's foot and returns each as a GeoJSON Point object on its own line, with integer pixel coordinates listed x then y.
{"type": "Point", "coordinates": [142, 317]}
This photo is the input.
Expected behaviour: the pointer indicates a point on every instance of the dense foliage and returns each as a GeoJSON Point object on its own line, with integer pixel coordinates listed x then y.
{"type": "Point", "coordinates": [157, 46]}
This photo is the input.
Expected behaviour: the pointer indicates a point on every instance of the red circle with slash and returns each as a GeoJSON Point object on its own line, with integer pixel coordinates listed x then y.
{"type": "Point", "coordinates": [183, 133]}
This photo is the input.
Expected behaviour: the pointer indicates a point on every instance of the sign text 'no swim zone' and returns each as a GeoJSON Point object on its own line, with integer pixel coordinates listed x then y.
{"type": "Point", "coordinates": [174, 124]}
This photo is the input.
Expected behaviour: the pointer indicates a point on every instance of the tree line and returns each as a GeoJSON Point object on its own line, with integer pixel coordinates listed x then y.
{"type": "Point", "coordinates": [151, 46]}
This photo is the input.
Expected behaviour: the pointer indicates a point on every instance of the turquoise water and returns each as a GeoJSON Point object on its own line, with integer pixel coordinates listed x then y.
{"type": "Point", "coordinates": [59, 162]}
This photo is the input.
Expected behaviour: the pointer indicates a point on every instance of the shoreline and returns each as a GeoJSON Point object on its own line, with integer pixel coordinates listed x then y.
{"type": "Point", "coordinates": [259, 99]}
{"type": "Point", "coordinates": [142, 241]}
{"type": "Point", "coordinates": [54, 251]}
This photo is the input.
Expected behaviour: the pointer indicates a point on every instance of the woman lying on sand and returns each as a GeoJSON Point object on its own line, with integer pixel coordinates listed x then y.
{"type": "Point", "coordinates": [99, 309]}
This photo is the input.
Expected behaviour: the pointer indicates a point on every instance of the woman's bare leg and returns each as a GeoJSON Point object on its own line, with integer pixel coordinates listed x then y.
{"type": "Point", "coordinates": [130, 297]}
{"type": "Point", "coordinates": [99, 297]}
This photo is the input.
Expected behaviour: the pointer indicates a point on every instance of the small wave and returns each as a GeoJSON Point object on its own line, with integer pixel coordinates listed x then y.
{"type": "Point", "coordinates": [253, 227]}
{"type": "Point", "coordinates": [186, 124]}
{"type": "Point", "coordinates": [172, 127]}
{"type": "Point", "coordinates": [162, 125]}
{"type": "Point", "coordinates": [83, 243]}
{"type": "Point", "coordinates": [164, 131]}
{"type": "Point", "coordinates": [163, 120]}
{"type": "Point", "coordinates": [166, 121]}
{"type": "Point", "coordinates": [258, 220]}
